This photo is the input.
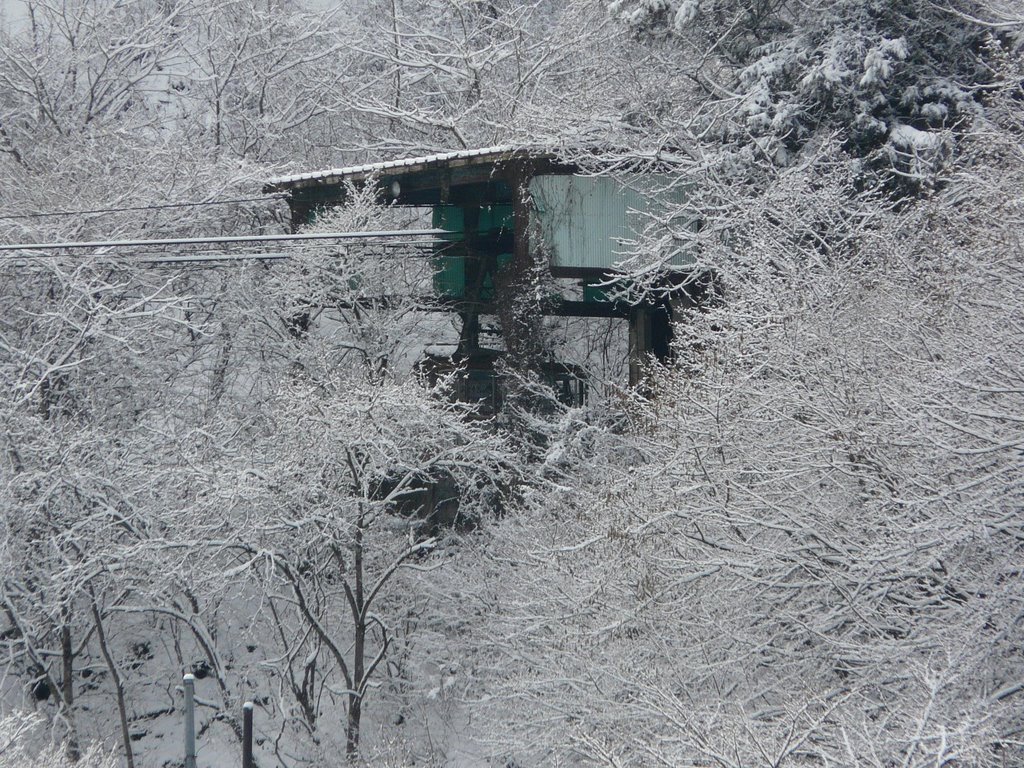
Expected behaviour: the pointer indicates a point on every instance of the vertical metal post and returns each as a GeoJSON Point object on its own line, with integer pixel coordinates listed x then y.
{"type": "Point", "coordinates": [190, 721]}
{"type": "Point", "coordinates": [247, 735]}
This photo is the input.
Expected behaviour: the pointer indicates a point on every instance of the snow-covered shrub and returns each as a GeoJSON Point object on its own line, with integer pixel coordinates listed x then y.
{"type": "Point", "coordinates": [24, 742]}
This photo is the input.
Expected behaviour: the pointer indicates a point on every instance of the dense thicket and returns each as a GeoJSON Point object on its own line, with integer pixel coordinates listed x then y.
{"type": "Point", "coordinates": [800, 546]}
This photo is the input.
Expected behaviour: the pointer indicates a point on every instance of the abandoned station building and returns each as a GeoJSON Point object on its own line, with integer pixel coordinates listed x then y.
{"type": "Point", "coordinates": [505, 211]}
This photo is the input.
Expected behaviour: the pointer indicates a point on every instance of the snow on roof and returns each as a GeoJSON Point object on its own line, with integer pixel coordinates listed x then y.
{"type": "Point", "coordinates": [358, 172]}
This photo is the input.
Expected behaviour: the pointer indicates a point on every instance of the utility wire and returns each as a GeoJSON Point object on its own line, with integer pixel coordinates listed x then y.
{"type": "Point", "coordinates": [196, 258]}
{"type": "Point", "coordinates": [155, 258]}
{"type": "Point", "coordinates": [155, 207]}
{"type": "Point", "coordinates": [222, 240]}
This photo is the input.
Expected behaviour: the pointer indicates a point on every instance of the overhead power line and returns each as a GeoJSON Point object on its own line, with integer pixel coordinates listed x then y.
{"type": "Point", "coordinates": [154, 207]}
{"type": "Point", "coordinates": [382, 235]}
{"type": "Point", "coordinates": [202, 258]}
{"type": "Point", "coordinates": [195, 259]}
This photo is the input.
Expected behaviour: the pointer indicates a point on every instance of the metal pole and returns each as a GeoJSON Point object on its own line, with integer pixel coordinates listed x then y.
{"type": "Point", "coordinates": [247, 735]}
{"type": "Point", "coordinates": [190, 721]}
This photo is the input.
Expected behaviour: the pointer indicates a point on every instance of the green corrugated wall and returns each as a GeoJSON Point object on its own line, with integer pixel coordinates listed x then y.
{"type": "Point", "coordinates": [585, 219]}
{"type": "Point", "coordinates": [493, 221]}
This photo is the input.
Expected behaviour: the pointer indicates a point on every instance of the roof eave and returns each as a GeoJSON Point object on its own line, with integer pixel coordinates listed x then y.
{"type": "Point", "coordinates": [359, 174]}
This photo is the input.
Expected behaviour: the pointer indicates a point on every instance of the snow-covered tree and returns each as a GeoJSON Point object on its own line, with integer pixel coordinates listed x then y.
{"type": "Point", "coordinates": [23, 741]}
{"type": "Point", "coordinates": [804, 551]}
{"type": "Point", "coordinates": [801, 549]}
{"type": "Point", "coordinates": [895, 80]}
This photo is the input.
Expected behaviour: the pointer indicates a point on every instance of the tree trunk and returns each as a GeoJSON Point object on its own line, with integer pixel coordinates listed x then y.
{"type": "Point", "coordinates": [115, 675]}
{"type": "Point", "coordinates": [352, 726]}
{"type": "Point", "coordinates": [355, 697]}
{"type": "Point", "coordinates": [67, 690]}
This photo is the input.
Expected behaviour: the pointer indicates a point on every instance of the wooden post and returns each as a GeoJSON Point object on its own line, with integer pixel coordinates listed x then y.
{"type": "Point", "coordinates": [518, 308]}
{"type": "Point", "coordinates": [469, 341]}
{"type": "Point", "coordinates": [639, 343]}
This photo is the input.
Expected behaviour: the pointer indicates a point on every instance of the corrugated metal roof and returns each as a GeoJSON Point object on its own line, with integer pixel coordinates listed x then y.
{"type": "Point", "coordinates": [359, 172]}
